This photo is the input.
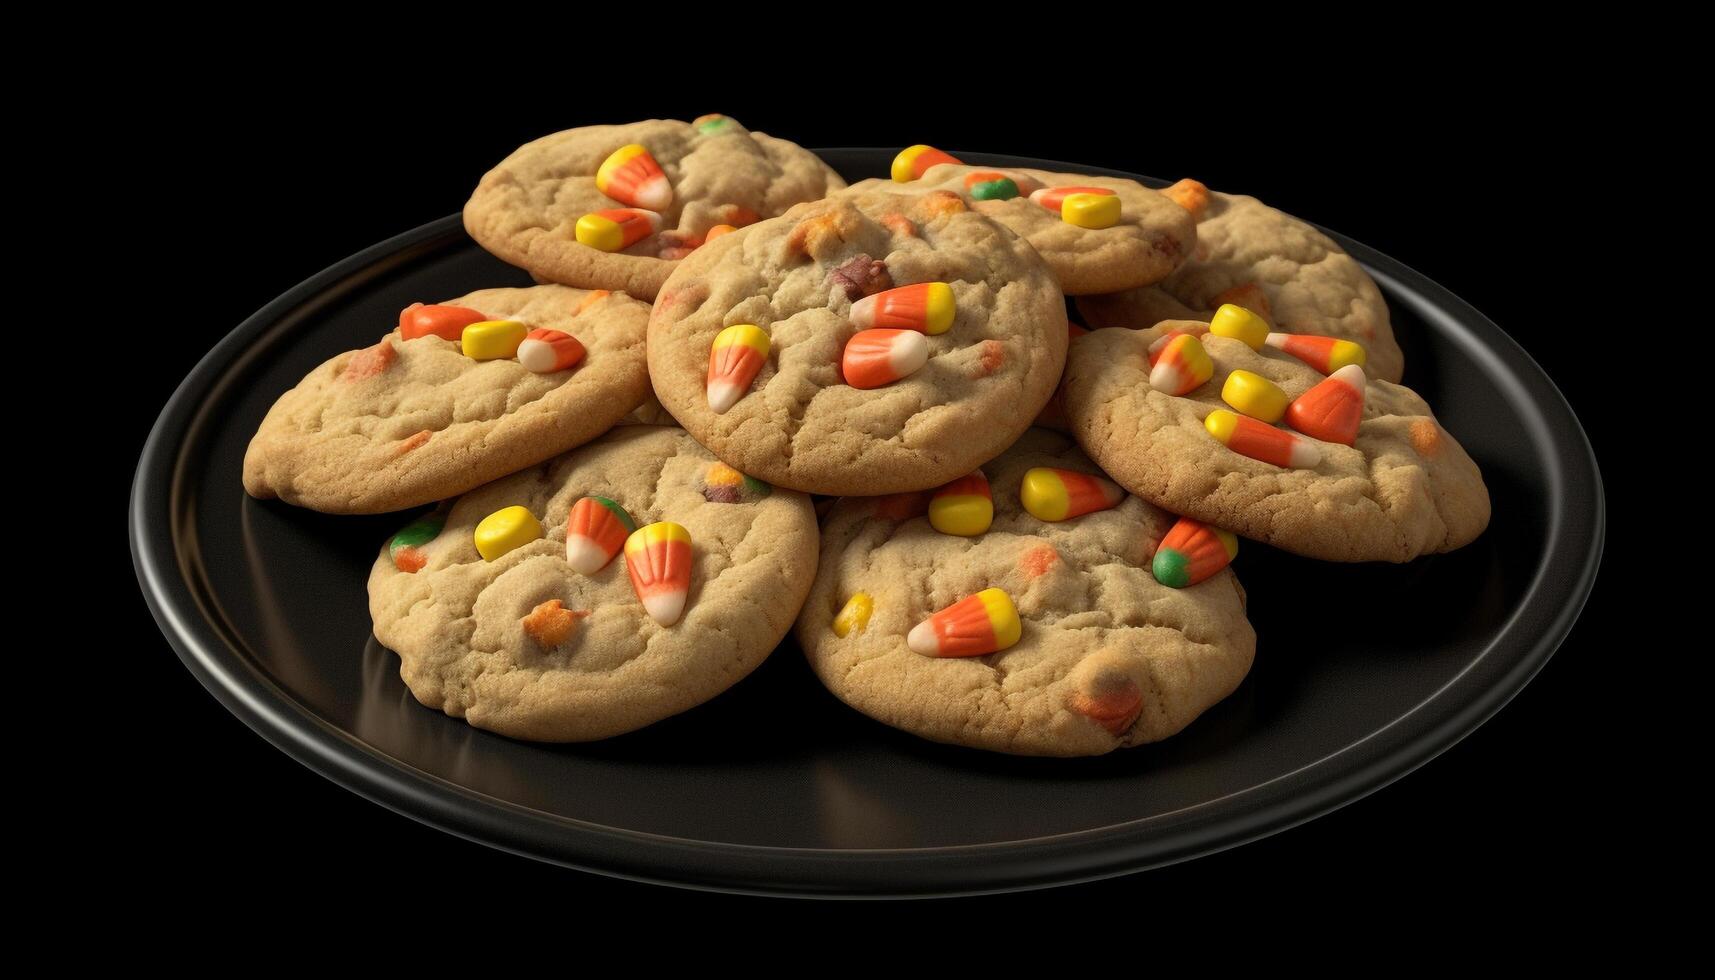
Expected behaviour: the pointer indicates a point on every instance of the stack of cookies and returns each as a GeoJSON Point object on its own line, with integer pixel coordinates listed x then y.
{"type": "Point", "coordinates": [748, 400]}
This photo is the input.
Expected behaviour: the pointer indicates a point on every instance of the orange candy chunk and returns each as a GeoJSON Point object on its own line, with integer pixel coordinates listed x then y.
{"type": "Point", "coordinates": [445, 322]}
{"type": "Point", "coordinates": [1332, 410]}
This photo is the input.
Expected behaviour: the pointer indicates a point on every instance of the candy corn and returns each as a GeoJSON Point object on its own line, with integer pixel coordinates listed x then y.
{"type": "Point", "coordinates": [712, 123]}
{"type": "Point", "coordinates": [924, 306]}
{"type": "Point", "coordinates": [735, 357]}
{"type": "Point", "coordinates": [1332, 410]}
{"type": "Point", "coordinates": [717, 231]}
{"type": "Point", "coordinates": [492, 340]}
{"type": "Point", "coordinates": [405, 547]}
{"type": "Point", "coordinates": [1191, 552]}
{"type": "Point", "coordinates": [914, 160]}
{"type": "Point", "coordinates": [1240, 324]}
{"type": "Point", "coordinates": [1260, 441]}
{"type": "Point", "coordinates": [1182, 366]}
{"type": "Point", "coordinates": [595, 531]}
{"type": "Point", "coordinates": [1054, 198]}
{"type": "Point", "coordinates": [1325, 354]}
{"type": "Point", "coordinates": [724, 485]}
{"type": "Point", "coordinates": [617, 228]}
{"type": "Point", "coordinates": [1090, 210]}
{"type": "Point", "coordinates": [1059, 495]}
{"type": "Point", "coordinates": [1161, 342]}
{"type": "Point", "coordinates": [854, 615]}
{"type": "Point", "coordinates": [506, 530]}
{"type": "Point", "coordinates": [545, 351]}
{"type": "Point", "coordinates": [631, 176]}
{"type": "Point", "coordinates": [658, 557]}
{"type": "Point", "coordinates": [963, 507]}
{"type": "Point", "coordinates": [1252, 394]}
{"type": "Point", "coordinates": [987, 185]}
{"type": "Point", "coordinates": [880, 357]}
{"type": "Point", "coordinates": [445, 322]}
{"type": "Point", "coordinates": [975, 625]}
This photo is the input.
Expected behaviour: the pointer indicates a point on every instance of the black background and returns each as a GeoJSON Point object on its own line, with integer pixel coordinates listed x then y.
{"type": "Point", "coordinates": [1471, 186]}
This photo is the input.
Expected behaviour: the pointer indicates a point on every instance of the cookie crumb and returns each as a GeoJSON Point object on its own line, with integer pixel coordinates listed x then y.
{"type": "Point", "coordinates": [369, 362]}
{"type": "Point", "coordinates": [550, 623]}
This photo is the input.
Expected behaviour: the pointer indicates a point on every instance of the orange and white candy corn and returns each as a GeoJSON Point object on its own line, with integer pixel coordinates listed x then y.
{"type": "Point", "coordinates": [924, 306]}
{"type": "Point", "coordinates": [545, 351]}
{"type": "Point", "coordinates": [595, 531]}
{"type": "Point", "coordinates": [616, 229]}
{"type": "Point", "coordinates": [964, 507]}
{"type": "Point", "coordinates": [975, 625]}
{"type": "Point", "coordinates": [631, 176]}
{"type": "Point", "coordinates": [913, 161]}
{"type": "Point", "coordinates": [1191, 552]}
{"type": "Point", "coordinates": [658, 558]}
{"type": "Point", "coordinates": [880, 357]}
{"type": "Point", "coordinates": [1058, 495]}
{"type": "Point", "coordinates": [1332, 410]}
{"type": "Point", "coordinates": [1261, 441]}
{"type": "Point", "coordinates": [1182, 366]}
{"type": "Point", "coordinates": [1161, 342]}
{"type": "Point", "coordinates": [1325, 354]}
{"type": "Point", "coordinates": [1054, 198]}
{"type": "Point", "coordinates": [735, 357]}
{"type": "Point", "coordinates": [445, 322]}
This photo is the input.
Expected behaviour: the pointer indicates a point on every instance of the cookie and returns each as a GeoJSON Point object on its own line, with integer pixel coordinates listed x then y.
{"type": "Point", "coordinates": [1149, 236]}
{"type": "Point", "coordinates": [530, 646]}
{"type": "Point", "coordinates": [1267, 261]}
{"type": "Point", "coordinates": [872, 343]}
{"type": "Point", "coordinates": [693, 179]}
{"type": "Point", "coordinates": [409, 422]}
{"type": "Point", "coordinates": [1103, 657]}
{"type": "Point", "coordinates": [1401, 488]}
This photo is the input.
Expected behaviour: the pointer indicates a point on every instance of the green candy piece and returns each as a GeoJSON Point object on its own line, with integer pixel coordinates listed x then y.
{"type": "Point", "coordinates": [713, 124]}
{"type": "Point", "coordinates": [1172, 568]}
{"type": "Point", "coordinates": [417, 533]}
{"type": "Point", "coordinates": [756, 488]}
{"type": "Point", "coordinates": [619, 513]}
{"type": "Point", "coordinates": [995, 190]}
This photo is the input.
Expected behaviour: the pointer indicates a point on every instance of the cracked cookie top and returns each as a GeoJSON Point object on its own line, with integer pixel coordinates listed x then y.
{"type": "Point", "coordinates": [1150, 239]}
{"type": "Point", "coordinates": [409, 422]}
{"type": "Point", "coordinates": [1269, 262]}
{"type": "Point", "coordinates": [526, 210]}
{"type": "Point", "coordinates": [984, 354]}
{"type": "Point", "coordinates": [526, 646]}
{"type": "Point", "coordinates": [1404, 487]}
{"type": "Point", "coordinates": [1105, 656]}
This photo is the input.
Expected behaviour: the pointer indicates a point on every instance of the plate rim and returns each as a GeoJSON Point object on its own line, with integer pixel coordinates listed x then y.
{"type": "Point", "coordinates": [1571, 562]}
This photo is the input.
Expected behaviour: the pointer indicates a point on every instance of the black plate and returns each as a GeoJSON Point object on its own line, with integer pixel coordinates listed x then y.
{"type": "Point", "coordinates": [1363, 672]}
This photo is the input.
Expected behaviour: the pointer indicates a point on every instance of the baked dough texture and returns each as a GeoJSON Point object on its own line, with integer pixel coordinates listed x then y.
{"type": "Point", "coordinates": [1108, 657]}
{"type": "Point", "coordinates": [527, 208]}
{"type": "Point", "coordinates": [457, 624]}
{"type": "Point", "coordinates": [1311, 285]}
{"type": "Point", "coordinates": [409, 422]}
{"type": "Point", "coordinates": [1404, 488]}
{"type": "Point", "coordinates": [1153, 237]}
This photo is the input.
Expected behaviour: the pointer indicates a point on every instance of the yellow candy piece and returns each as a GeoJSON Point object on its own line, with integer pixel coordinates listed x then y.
{"type": "Point", "coordinates": [855, 616]}
{"type": "Point", "coordinates": [966, 515]}
{"type": "Point", "coordinates": [1239, 324]}
{"type": "Point", "coordinates": [491, 340]}
{"type": "Point", "coordinates": [1091, 210]}
{"type": "Point", "coordinates": [1254, 395]}
{"type": "Point", "coordinates": [506, 530]}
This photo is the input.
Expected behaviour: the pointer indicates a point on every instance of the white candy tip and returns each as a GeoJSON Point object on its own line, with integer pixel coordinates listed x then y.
{"type": "Point", "coordinates": [1275, 340]}
{"type": "Point", "coordinates": [863, 313]}
{"type": "Point", "coordinates": [1352, 375]}
{"type": "Point", "coordinates": [1165, 377]}
{"type": "Point", "coordinates": [585, 557]}
{"type": "Point", "coordinates": [665, 607]}
{"type": "Point", "coordinates": [536, 356]}
{"type": "Point", "coordinates": [911, 352]}
{"type": "Point", "coordinates": [1305, 454]}
{"type": "Point", "coordinates": [922, 639]}
{"type": "Point", "coordinates": [655, 195]}
{"type": "Point", "coordinates": [723, 396]}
